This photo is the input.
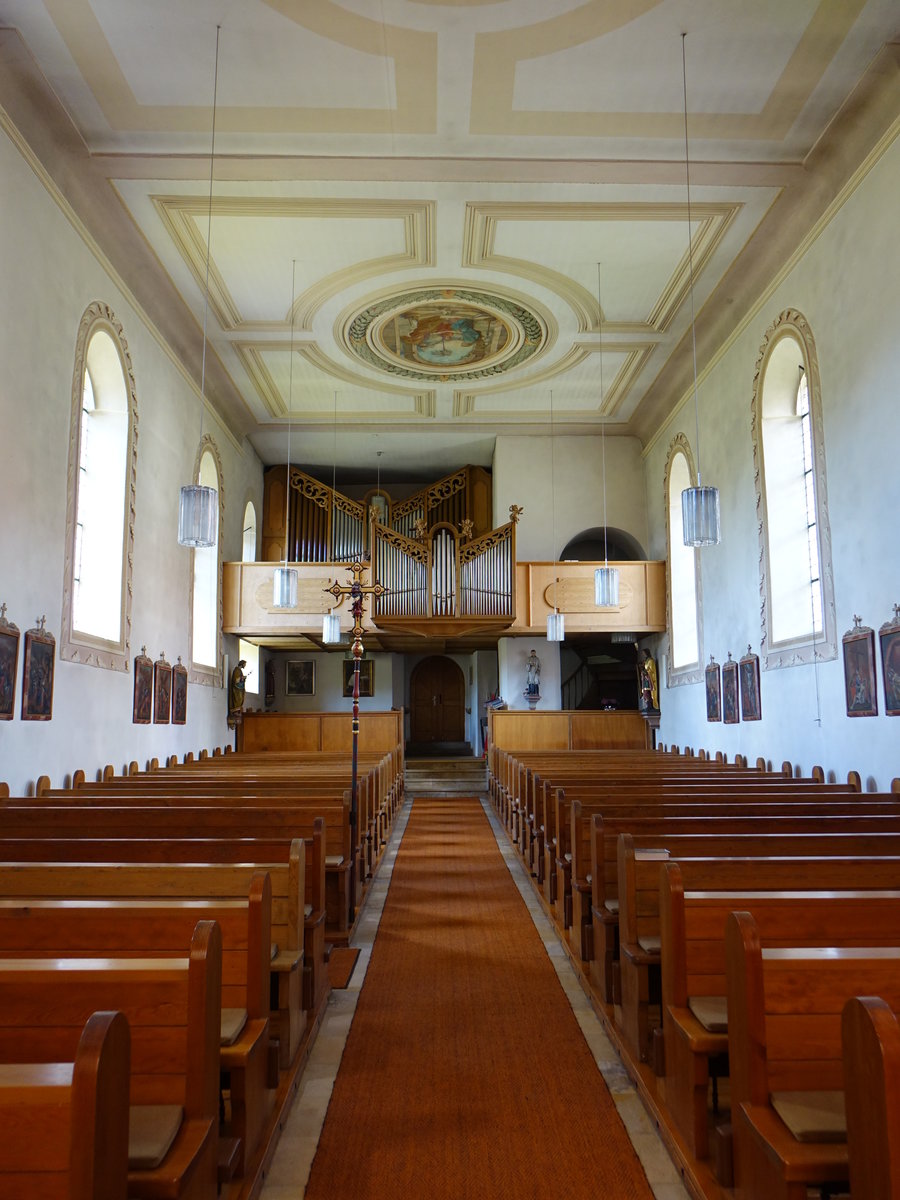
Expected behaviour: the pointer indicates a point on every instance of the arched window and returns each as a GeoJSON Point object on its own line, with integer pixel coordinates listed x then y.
{"type": "Point", "coordinates": [100, 510]}
{"type": "Point", "coordinates": [248, 542]}
{"type": "Point", "coordinates": [796, 592]}
{"type": "Point", "coordinates": [683, 590]}
{"type": "Point", "coordinates": [206, 619]}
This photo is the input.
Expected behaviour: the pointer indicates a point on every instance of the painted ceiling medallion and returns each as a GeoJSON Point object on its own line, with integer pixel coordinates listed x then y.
{"type": "Point", "coordinates": [450, 333]}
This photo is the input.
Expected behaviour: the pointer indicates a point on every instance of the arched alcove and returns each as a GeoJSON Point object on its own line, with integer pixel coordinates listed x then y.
{"type": "Point", "coordinates": [588, 546]}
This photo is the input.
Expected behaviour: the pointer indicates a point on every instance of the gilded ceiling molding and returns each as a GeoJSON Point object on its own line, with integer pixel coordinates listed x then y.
{"type": "Point", "coordinates": [180, 216]}
{"type": "Point", "coordinates": [498, 54]}
{"type": "Point", "coordinates": [482, 221]}
{"type": "Point", "coordinates": [413, 54]}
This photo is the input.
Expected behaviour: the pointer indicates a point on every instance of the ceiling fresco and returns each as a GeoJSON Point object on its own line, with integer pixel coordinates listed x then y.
{"type": "Point", "coordinates": [456, 187]}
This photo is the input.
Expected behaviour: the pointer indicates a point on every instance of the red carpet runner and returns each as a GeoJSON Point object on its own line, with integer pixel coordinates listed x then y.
{"type": "Point", "coordinates": [465, 1073]}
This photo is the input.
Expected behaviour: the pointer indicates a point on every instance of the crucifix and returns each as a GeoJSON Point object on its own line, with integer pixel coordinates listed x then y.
{"type": "Point", "coordinates": [357, 591]}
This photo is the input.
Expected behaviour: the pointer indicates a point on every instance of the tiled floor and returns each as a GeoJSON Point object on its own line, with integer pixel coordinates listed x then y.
{"type": "Point", "coordinates": [290, 1169]}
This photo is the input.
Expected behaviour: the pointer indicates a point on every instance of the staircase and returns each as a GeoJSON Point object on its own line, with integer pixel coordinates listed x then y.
{"type": "Point", "coordinates": [445, 777]}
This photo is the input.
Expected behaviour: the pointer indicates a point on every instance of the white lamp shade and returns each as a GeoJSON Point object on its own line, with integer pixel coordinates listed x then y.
{"type": "Point", "coordinates": [284, 587]}
{"type": "Point", "coordinates": [198, 516]}
{"type": "Point", "coordinates": [606, 587]}
{"type": "Point", "coordinates": [700, 516]}
{"type": "Point", "coordinates": [556, 627]}
{"type": "Point", "coordinates": [331, 628]}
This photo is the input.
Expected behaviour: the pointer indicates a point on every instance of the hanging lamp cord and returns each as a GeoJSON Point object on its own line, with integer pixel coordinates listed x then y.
{"type": "Point", "coordinates": [602, 420]}
{"type": "Point", "coordinates": [687, 171]}
{"type": "Point", "coordinates": [287, 490]}
{"type": "Point", "coordinates": [212, 162]}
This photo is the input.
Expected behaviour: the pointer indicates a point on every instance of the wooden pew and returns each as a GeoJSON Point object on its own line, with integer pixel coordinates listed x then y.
{"type": "Point", "coordinates": [202, 881]}
{"type": "Point", "coordinates": [155, 928]}
{"type": "Point", "coordinates": [784, 1048]}
{"type": "Point", "coordinates": [749, 867]}
{"type": "Point", "coordinates": [870, 1038]}
{"type": "Point", "coordinates": [692, 925]}
{"type": "Point", "coordinates": [35, 819]}
{"type": "Point", "coordinates": [65, 1125]}
{"type": "Point", "coordinates": [306, 860]}
{"type": "Point", "coordinates": [173, 1009]}
{"type": "Point", "coordinates": [646, 825]}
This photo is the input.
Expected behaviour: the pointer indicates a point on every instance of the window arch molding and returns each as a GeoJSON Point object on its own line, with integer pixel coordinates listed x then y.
{"type": "Point", "coordinates": [77, 645]}
{"type": "Point", "coordinates": [209, 674]}
{"type": "Point", "coordinates": [790, 331]}
{"type": "Point", "coordinates": [682, 569]}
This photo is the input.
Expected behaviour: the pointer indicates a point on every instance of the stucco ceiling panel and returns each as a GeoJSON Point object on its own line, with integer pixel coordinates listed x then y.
{"type": "Point", "coordinates": [253, 255]}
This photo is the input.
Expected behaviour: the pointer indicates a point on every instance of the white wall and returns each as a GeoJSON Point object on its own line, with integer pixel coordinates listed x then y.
{"type": "Point", "coordinates": [511, 656]}
{"type": "Point", "coordinates": [329, 696]}
{"type": "Point", "coordinates": [522, 476]}
{"type": "Point", "coordinates": [852, 303]}
{"type": "Point", "coordinates": [50, 276]}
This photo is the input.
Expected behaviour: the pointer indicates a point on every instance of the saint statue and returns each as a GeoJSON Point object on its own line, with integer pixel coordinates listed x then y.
{"type": "Point", "coordinates": [649, 686]}
{"type": "Point", "coordinates": [236, 689]}
{"type": "Point", "coordinates": [532, 675]}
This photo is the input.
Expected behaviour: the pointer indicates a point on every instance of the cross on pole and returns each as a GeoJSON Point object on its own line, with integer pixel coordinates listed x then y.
{"type": "Point", "coordinates": [357, 591]}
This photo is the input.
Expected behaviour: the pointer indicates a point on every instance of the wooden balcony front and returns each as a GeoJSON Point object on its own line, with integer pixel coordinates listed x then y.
{"type": "Point", "coordinates": [408, 624]}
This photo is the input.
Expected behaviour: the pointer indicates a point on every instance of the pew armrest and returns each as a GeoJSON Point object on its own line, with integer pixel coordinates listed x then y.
{"type": "Point", "coordinates": [286, 961]}
{"type": "Point", "coordinates": [699, 1039]}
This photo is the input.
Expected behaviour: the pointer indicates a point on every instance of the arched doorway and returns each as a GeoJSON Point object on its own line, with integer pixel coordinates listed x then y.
{"type": "Point", "coordinates": [437, 701]}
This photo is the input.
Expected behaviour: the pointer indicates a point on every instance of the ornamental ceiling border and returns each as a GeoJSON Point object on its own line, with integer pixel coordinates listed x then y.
{"type": "Point", "coordinates": [178, 214]}
{"type": "Point", "coordinates": [482, 220]}
{"type": "Point", "coordinates": [251, 356]}
{"type": "Point", "coordinates": [413, 54]}
{"type": "Point", "coordinates": [498, 55]}
{"type": "Point", "coordinates": [361, 332]}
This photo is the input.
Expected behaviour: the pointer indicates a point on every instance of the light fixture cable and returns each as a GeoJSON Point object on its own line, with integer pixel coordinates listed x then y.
{"type": "Point", "coordinates": [285, 579]}
{"type": "Point", "coordinates": [198, 507]}
{"type": "Point", "coordinates": [699, 505]}
{"type": "Point", "coordinates": [606, 578]}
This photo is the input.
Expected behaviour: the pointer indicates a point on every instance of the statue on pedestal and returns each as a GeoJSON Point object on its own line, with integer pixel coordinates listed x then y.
{"type": "Point", "coordinates": [236, 688]}
{"type": "Point", "coordinates": [532, 679]}
{"type": "Point", "coordinates": [648, 683]}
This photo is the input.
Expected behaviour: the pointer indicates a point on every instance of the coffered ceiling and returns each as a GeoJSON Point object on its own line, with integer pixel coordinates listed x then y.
{"type": "Point", "coordinates": [416, 194]}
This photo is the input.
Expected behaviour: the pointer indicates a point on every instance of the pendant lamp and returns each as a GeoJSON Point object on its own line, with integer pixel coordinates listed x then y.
{"type": "Point", "coordinates": [606, 578]}
{"type": "Point", "coordinates": [331, 622]}
{"type": "Point", "coordinates": [285, 579]}
{"type": "Point", "coordinates": [699, 505]}
{"type": "Point", "coordinates": [556, 621]}
{"type": "Point", "coordinates": [198, 506]}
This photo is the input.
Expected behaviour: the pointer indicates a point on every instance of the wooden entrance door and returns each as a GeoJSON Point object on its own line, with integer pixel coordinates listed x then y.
{"type": "Point", "coordinates": [437, 701]}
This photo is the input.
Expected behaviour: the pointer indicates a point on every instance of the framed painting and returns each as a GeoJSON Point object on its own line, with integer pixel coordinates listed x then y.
{"type": "Point", "coordinates": [37, 678]}
{"type": "Point", "coordinates": [859, 670]}
{"type": "Point", "coordinates": [162, 691]}
{"type": "Point", "coordinates": [142, 709]}
{"type": "Point", "coordinates": [366, 677]}
{"type": "Point", "coordinates": [731, 714]}
{"type": "Point", "coordinates": [751, 703]}
{"type": "Point", "coordinates": [713, 691]}
{"type": "Point", "coordinates": [9, 665]}
{"type": "Point", "coordinates": [300, 677]}
{"type": "Point", "coordinates": [179, 693]}
{"type": "Point", "coordinates": [889, 638]}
